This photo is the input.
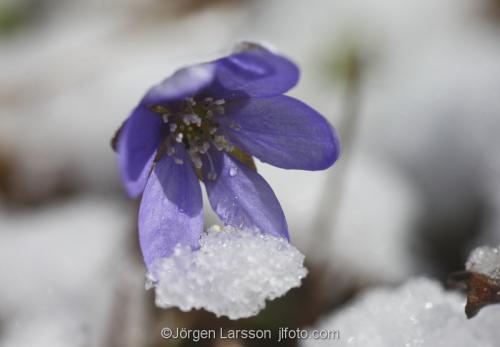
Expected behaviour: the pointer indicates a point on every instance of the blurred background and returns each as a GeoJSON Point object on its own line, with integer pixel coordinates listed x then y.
{"type": "Point", "coordinates": [412, 87]}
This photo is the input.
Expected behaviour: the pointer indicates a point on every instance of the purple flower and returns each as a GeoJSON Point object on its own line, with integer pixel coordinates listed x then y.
{"type": "Point", "coordinates": [203, 123]}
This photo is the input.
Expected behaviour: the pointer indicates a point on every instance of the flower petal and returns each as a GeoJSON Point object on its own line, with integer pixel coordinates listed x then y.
{"type": "Point", "coordinates": [241, 197]}
{"type": "Point", "coordinates": [137, 143]}
{"type": "Point", "coordinates": [255, 73]}
{"type": "Point", "coordinates": [283, 132]}
{"type": "Point", "coordinates": [171, 210]}
{"type": "Point", "coordinates": [183, 83]}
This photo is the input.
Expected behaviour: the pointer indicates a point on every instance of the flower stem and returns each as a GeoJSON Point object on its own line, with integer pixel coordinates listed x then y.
{"type": "Point", "coordinates": [331, 199]}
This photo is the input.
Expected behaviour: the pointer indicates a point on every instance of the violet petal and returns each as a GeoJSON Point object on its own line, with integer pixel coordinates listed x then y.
{"type": "Point", "coordinates": [241, 197]}
{"type": "Point", "coordinates": [283, 132]}
{"type": "Point", "coordinates": [171, 209]}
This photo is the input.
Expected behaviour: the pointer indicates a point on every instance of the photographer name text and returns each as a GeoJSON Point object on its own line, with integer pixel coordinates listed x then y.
{"type": "Point", "coordinates": [281, 334]}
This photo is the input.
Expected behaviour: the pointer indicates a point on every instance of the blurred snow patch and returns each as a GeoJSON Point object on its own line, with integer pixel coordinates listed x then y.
{"type": "Point", "coordinates": [377, 216]}
{"type": "Point", "coordinates": [486, 261]}
{"type": "Point", "coordinates": [59, 265]}
{"type": "Point", "coordinates": [419, 313]}
{"type": "Point", "coordinates": [232, 274]}
{"type": "Point", "coordinates": [57, 329]}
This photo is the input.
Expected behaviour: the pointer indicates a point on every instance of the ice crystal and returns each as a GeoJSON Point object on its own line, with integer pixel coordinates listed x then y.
{"type": "Point", "coordinates": [419, 313]}
{"type": "Point", "coordinates": [486, 261]}
{"type": "Point", "coordinates": [232, 274]}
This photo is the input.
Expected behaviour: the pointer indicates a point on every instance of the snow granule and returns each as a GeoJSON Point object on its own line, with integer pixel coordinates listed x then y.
{"type": "Point", "coordinates": [486, 261]}
{"type": "Point", "coordinates": [232, 274]}
{"type": "Point", "coordinates": [419, 313]}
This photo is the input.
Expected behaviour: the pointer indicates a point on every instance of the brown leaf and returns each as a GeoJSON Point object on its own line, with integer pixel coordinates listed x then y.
{"type": "Point", "coordinates": [481, 290]}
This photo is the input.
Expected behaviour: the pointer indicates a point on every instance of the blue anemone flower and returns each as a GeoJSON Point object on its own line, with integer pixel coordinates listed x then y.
{"type": "Point", "coordinates": [203, 124]}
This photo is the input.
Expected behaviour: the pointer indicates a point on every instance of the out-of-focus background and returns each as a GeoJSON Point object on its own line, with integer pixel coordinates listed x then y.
{"type": "Point", "coordinates": [412, 86]}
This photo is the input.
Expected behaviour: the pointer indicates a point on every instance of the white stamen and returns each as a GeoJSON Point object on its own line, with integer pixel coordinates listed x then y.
{"type": "Point", "coordinates": [211, 174]}
{"type": "Point", "coordinates": [195, 128]}
{"type": "Point", "coordinates": [204, 147]}
{"type": "Point", "coordinates": [235, 126]}
{"type": "Point", "coordinates": [221, 143]}
{"type": "Point", "coordinates": [170, 151]}
{"type": "Point", "coordinates": [219, 146]}
{"type": "Point", "coordinates": [191, 119]}
{"type": "Point", "coordinates": [196, 161]}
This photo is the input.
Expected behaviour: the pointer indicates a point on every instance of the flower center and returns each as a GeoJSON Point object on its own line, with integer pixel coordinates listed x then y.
{"type": "Point", "coordinates": [192, 123]}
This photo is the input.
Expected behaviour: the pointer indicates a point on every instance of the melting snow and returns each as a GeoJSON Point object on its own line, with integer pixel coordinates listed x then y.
{"type": "Point", "coordinates": [232, 274]}
{"type": "Point", "coordinates": [486, 261]}
{"type": "Point", "coordinates": [419, 313]}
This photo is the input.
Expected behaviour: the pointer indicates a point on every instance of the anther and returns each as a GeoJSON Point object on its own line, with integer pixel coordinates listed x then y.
{"type": "Point", "coordinates": [235, 126]}
{"type": "Point", "coordinates": [159, 109]}
{"type": "Point", "coordinates": [196, 161]}
{"type": "Point", "coordinates": [171, 151]}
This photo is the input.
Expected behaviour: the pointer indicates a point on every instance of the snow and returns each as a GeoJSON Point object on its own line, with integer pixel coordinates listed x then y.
{"type": "Point", "coordinates": [58, 329]}
{"type": "Point", "coordinates": [60, 265]}
{"type": "Point", "coordinates": [381, 207]}
{"type": "Point", "coordinates": [232, 274]}
{"type": "Point", "coordinates": [485, 260]}
{"type": "Point", "coordinates": [418, 313]}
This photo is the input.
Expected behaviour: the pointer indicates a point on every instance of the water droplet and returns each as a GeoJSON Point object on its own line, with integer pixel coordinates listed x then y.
{"type": "Point", "coordinates": [233, 171]}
